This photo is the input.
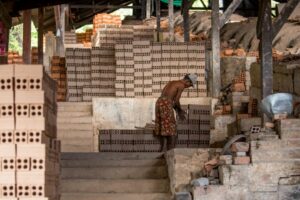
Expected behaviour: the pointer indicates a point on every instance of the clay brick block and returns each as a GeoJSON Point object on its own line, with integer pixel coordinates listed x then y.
{"type": "Point", "coordinates": [7, 178]}
{"type": "Point", "coordinates": [30, 178]}
{"type": "Point", "coordinates": [6, 83]}
{"type": "Point", "coordinates": [8, 164]}
{"type": "Point", "coordinates": [33, 150]}
{"type": "Point", "coordinates": [36, 123]}
{"type": "Point", "coordinates": [242, 160]}
{"type": "Point", "coordinates": [32, 97]}
{"type": "Point", "coordinates": [23, 70]}
{"type": "Point", "coordinates": [20, 137]}
{"type": "Point", "coordinates": [240, 147]}
{"type": "Point", "coordinates": [22, 110]}
{"type": "Point", "coordinates": [23, 190]}
{"type": "Point", "coordinates": [6, 111]}
{"type": "Point", "coordinates": [22, 164]}
{"type": "Point", "coordinates": [225, 160]}
{"type": "Point", "coordinates": [7, 123]}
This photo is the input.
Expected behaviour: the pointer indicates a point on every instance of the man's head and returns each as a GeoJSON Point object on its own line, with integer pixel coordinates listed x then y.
{"type": "Point", "coordinates": [190, 80]}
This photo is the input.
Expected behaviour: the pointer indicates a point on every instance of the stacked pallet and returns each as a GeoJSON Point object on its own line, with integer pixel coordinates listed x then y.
{"type": "Point", "coordinates": [142, 69]}
{"type": "Point", "coordinates": [34, 55]}
{"type": "Point", "coordinates": [105, 19]}
{"type": "Point", "coordinates": [128, 141]}
{"type": "Point", "coordinates": [29, 152]}
{"type": "Point", "coordinates": [78, 62]}
{"type": "Point", "coordinates": [58, 73]}
{"type": "Point", "coordinates": [14, 58]}
{"type": "Point", "coordinates": [70, 37]}
{"type": "Point", "coordinates": [124, 69]}
{"type": "Point", "coordinates": [195, 131]}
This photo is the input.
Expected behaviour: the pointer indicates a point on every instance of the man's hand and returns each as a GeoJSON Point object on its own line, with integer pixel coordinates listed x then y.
{"type": "Point", "coordinates": [182, 115]}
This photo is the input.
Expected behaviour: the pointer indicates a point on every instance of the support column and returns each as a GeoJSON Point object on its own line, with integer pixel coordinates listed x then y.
{"type": "Point", "coordinates": [40, 35]}
{"type": "Point", "coordinates": [186, 20]}
{"type": "Point", "coordinates": [26, 36]}
{"type": "Point", "coordinates": [171, 21]}
{"type": "Point", "coordinates": [216, 49]}
{"type": "Point", "coordinates": [148, 9]}
{"type": "Point", "coordinates": [158, 19]}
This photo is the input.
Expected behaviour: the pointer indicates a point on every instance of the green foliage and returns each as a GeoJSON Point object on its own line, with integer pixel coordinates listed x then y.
{"type": "Point", "coordinates": [16, 38]}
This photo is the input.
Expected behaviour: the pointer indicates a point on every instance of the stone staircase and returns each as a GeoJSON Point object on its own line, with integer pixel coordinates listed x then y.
{"type": "Point", "coordinates": [74, 126]}
{"type": "Point", "coordinates": [114, 176]}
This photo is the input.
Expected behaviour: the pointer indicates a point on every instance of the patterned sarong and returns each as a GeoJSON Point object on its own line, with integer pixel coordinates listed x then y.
{"type": "Point", "coordinates": [165, 123]}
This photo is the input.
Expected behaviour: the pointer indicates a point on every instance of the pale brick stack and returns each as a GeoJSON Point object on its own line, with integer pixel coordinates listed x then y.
{"type": "Point", "coordinates": [34, 55]}
{"type": "Point", "coordinates": [240, 152]}
{"type": "Point", "coordinates": [142, 69]}
{"type": "Point", "coordinates": [156, 60]}
{"type": "Point", "coordinates": [80, 37]}
{"type": "Point", "coordinates": [14, 58]}
{"type": "Point", "coordinates": [29, 153]}
{"type": "Point", "coordinates": [70, 37]}
{"type": "Point", "coordinates": [124, 69]}
{"type": "Point", "coordinates": [58, 73]}
{"type": "Point", "coordinates": [143, 32]}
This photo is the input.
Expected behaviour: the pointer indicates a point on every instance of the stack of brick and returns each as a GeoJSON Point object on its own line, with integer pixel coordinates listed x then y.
{"type": "Point", "coordinates": [29, 152]}
{"type": "Point", "coordinates": [78, 63]}
{"type": "Point", "coordinates": [34, 55]}
{"type": "Point", "coordinates": [58, 73]}
{"type": "Point", "coordinates": [70, 37]}
{"type": "Point", "coordinates": [88, 35]}
{"type": "Point", "coordinates": [195, 131]}
{"type": "Point", "coordinates": [240, 150]}
{"type": "Point", "coordinates": [143, 33]}
{"type": "Point", "coordinates": [142, 69]}
{"type": "Point", "coordinates": [129, 141]}
{"type": "Point", "coordinates": [105, 19]}
{"type": "Point", "coordinates": [124, 69]}
{"type": "Point", "coordinates": [80, 37]}
{"type": "Point", "coordinates": [14, 58]}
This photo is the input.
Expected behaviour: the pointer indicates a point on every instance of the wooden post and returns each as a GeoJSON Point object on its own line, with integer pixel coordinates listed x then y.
{"type": "Point", "coordinates": [40, 35]}
{"type": "Point", "coordinates": [186, 20]}
{"type": "Point", "coordinates": [26, 36]}
{"type": "Point", "coordinates": [216, 49]}
{"type": "Point", "coordinates": [148, 9]}
{"type": "Point", "coordinates": [158, 19]}
{"type": "Point", "coordinates": [171, 21]}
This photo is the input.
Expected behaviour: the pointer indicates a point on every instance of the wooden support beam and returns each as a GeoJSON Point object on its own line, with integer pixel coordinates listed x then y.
{"type": "Point", "coordinates": [144, 8]}
{"type": "Point", "coordinates": [109, 6]}
{"type": "Point", "coordinates": [265, 49]}
{"type": "Point", "coordinates": [229, 11]}
{"type": "Point", "coordinates": [148, 9]}
{"type": "Point", "coordinates": [283, 16]}
{"type": "Point", "coordinates": [40, 35]}
{"type": "Point", "coordinates": [216, 49]}
{"type": "Point", "coordinates": [186, 20]}
{"type": "Point", "coordinates": [171, 20]}
{"type": "Point", "coordinates": [157, 4]}
{"type": "Point", "coordinates": [26, 36]}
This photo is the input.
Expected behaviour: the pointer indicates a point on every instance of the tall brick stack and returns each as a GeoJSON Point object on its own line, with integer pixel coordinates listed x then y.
{"type": "Point", "coordinates": [142, 69]}
{"type": "Point", "coordinates": [195, 131]}
{"type": "Point", "coordinates": [58, 73]}
{"type": "Point", "coordinates": [34, 55]}
{"type": "Point", "coordinates": [143, 33]}
{"type": "Point", "coordinates": [70, 37]}
{"type": "Point", "coordinates": [14, 58]}
{"type": "Point", "coordinates": [29, 153]}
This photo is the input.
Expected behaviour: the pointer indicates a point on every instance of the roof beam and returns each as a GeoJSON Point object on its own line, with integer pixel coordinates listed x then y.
{"type": "Point", "coordinates": [283, 16]}
{"type": "Point", "coordinates": [4, 16]}
{"type": "Point", "coordinates": [229, 11]}
{"type": "Point", "coordinates": [104, 6]}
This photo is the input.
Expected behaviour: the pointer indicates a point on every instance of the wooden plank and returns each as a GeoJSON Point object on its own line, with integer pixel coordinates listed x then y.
{"type": "Point", "coordinates": [216, 49]}
{"type": "Point", "coordinates": [284, 15]}
{"type": "Point", "coordinates": [171, 20]}
{"type": "Point", "coordinates": [40, 35]}
{"type": "Point", "coordinates": [158, 19]}
{"type": "Point", "coordinates": [148, 9]}
{"type": "Point", "coordinates": [26, 36]}
{"type": "Point", "coordinates": [229, 11]}
{"type": "Point", "coordinates": [186, 20]}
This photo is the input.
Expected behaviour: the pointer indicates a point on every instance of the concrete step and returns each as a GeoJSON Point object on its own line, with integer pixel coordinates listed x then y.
{"type": "Point", "coordinates": [69, 134]}
{"type": "Point", "coordinates": [74, 107]}
{"type": "Point", "coordinates": [66, 114]}
{"type": "Point", "coordinates": [112, 163]}
{"type": "Point", "coordinates": [76, 148]}
{"type": "Point", "coordinates": [110, 156]}
{"type": "Point", "coordinates": [115, 186]}
{"type": "Point", "coordinates": [75, 126]}
{"type": "Point", "coordinates": [79, 120]}
{"type": "Point", "coordinates": [115, 173]}
{"type": "Point", "coordinates": [117, 196]}
{"type": "Point", "coordinates": [275, 155]}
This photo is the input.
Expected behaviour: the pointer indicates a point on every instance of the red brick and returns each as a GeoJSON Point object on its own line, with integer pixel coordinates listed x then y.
{"type": "Point", "coordinates": [242, 160]}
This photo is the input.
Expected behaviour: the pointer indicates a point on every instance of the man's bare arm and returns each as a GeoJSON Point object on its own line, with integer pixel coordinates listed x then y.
{"type": "Point", "coordinates": [177, 105]}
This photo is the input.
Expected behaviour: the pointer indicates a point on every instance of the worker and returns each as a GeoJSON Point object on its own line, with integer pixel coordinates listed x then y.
{"type": "Point", "coordinates": [165, 123]}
